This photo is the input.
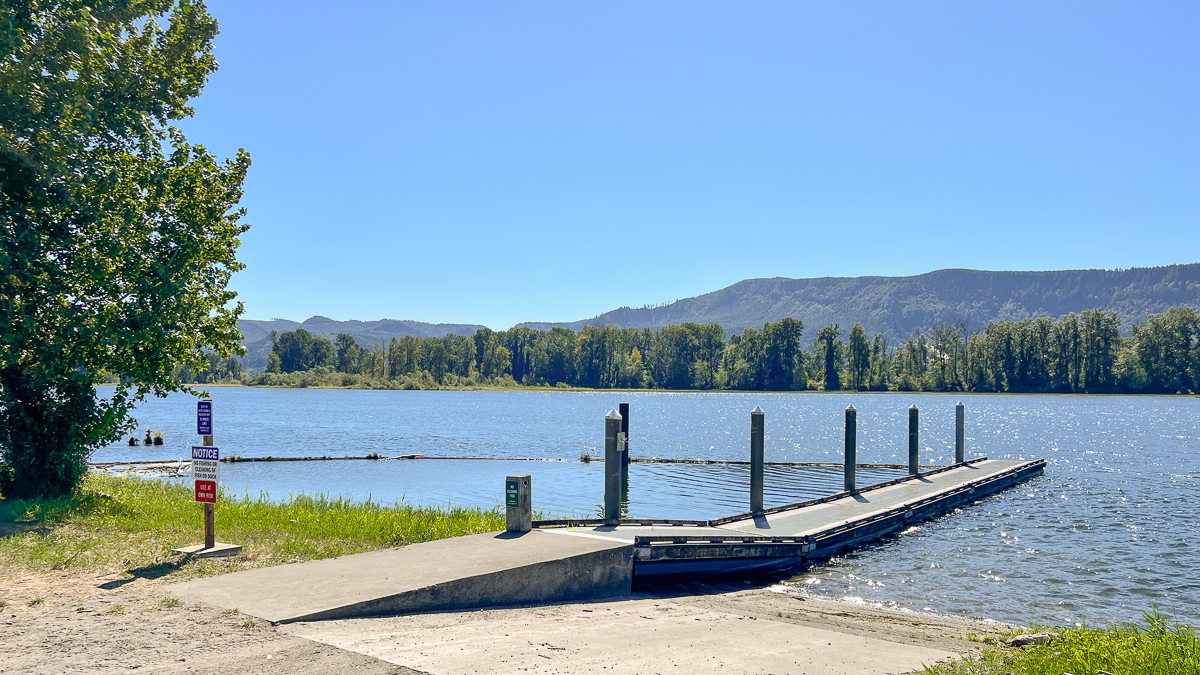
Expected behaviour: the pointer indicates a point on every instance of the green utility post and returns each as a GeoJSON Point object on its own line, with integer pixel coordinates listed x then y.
{"type": "Point", "coordinates": [518, 503]}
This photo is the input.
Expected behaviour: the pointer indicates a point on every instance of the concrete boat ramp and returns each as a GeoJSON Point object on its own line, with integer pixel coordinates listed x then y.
{"type": "Point", "coordinates": [590, 561]}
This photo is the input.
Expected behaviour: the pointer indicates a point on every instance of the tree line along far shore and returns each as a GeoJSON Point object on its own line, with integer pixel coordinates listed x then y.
{"type": "Point", "coordinates": [1080, 353]}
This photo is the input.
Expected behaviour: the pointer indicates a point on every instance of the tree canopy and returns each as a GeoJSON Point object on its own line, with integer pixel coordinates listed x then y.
{"type": "Point", "coordinates": [1081, 353]}
{"type": "Point", "coordinates": [119, 236]}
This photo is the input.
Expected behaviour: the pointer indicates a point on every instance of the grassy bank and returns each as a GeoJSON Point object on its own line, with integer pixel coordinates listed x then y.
{"type": "Point", "coordinates": [1160, 647]}
{"type": "Point", "coordinates": [130, 525]}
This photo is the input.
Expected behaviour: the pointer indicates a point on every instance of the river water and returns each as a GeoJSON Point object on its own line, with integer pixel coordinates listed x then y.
{"type": "Point", "coordinates": [1111, 528]}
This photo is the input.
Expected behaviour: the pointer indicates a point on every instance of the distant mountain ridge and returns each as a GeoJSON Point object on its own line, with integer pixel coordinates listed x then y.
{"type": "Point", "coordinates": [256, 334]}
{"type": "Point", "coordinates": [369, 332]}
{"type": "Point", "coordinates": [900, 307]}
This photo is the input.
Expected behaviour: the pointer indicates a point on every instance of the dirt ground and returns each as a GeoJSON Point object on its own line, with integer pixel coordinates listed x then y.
{"type": "Point", "coordinates": [88, 623]}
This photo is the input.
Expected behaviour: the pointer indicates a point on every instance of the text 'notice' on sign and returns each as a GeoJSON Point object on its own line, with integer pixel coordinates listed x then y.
{"type": "Point", "coordinates": [206, 464]}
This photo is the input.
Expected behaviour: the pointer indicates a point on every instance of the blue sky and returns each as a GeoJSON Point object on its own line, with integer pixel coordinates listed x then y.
{"type": "Point", "coordinates": [546, 161]}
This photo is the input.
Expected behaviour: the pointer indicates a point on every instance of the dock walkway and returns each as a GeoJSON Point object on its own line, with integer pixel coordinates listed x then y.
{"type": "Point", "coordinates": [563, 564]}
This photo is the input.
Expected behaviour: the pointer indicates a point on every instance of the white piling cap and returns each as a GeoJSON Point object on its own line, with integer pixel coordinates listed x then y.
{"type": "Point", "coordinates": [851, 407]}
{"type": "Point", "coordinates": [613, 414]}
{"type": "Point", "coordinates": [757, 411]}
{"type": "Point", "coordinates": [912, 407]}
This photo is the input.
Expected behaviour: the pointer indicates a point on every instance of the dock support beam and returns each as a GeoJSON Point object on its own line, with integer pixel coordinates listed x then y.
{"type": "Point", "coordinates": [851, 446]}
{"type": "Point", "coordinates": [613, 467]}
{"type": "Point", "coordinates": [914, 433]}
{"type": "Point", "coordinates": [758, 432]}
{"type": "Point", "coordinates": [960, 433]}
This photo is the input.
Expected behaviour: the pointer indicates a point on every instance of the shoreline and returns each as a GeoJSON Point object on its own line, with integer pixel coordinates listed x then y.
{"type": "Point", "coordinates": [572, 389]}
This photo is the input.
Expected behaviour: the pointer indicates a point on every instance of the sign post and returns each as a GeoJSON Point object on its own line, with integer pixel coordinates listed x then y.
{"type": "Point", "coordinates": [206, 472]}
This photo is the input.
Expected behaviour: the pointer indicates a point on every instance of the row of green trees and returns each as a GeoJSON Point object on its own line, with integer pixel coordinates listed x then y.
{"type": "Point", "coordinates": [1083, 353]}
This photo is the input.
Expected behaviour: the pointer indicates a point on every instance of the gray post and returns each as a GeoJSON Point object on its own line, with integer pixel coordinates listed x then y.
{"type": "Point", "coordinates": [612, 467]}
{"type": "Point", "coordinates": [960, 436]}
{"type": "Point", "coordinates": [624, 408]}
{"type": "Point", "coordinates": [758, 432]}
{"type": "Point", "coordinates": [914, 432]}
{"type": "Point", "coordinates": [851, 445]}
{"type": "Point", "coordinates": [518, 502]}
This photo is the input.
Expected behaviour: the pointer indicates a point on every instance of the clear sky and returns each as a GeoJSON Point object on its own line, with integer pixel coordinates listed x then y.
{"type": "Point", "coordinates": [547, 161]}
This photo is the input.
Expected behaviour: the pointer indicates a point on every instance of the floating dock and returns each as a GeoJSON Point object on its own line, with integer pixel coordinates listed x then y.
{"type": "Point", "coordinates": [562, 561]}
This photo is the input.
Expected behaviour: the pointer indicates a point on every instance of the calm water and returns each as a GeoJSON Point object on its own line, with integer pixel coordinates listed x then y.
{"type": "Point", "coordinates": [1111, 528]}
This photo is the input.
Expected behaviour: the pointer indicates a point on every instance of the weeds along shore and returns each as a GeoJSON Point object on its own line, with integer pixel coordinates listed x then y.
{"type": "Point", "coordinates": [121, 524]}
{"type": "Point", "coordinates": [1160, 646]}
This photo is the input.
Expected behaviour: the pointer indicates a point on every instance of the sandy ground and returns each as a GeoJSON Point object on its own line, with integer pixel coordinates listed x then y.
{"type": "Point", "coordinates": [89, 624]}
{"type": "Point", "coordinates": [638, 635]}
{"type": "Point", "coordinates": [86, 623]}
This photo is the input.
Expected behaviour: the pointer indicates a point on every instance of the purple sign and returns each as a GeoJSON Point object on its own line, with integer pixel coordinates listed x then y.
{"type": "Point", "coordinates": [204, 418]}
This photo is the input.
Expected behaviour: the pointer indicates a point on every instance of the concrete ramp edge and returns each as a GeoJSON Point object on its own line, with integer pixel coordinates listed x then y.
{"type": "Point", "coordinates": [590, 576]}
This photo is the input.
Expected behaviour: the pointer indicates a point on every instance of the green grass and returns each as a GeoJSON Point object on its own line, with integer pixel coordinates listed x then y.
{"type": "Point", "coordinates": [1160, 647]}
{"type": "Point", "coordinates": [131, 525]}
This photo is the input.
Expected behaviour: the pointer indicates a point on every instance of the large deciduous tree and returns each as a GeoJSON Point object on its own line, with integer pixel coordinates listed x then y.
{"type": "Point", "coordinates": [119, 236]}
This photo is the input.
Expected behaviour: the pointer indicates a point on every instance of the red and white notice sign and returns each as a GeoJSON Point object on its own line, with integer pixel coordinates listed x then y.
{"type": "Point", "coordinates": [206, 491]}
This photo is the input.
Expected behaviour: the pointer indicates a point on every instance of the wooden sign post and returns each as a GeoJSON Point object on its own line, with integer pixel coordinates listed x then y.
{"type": "Point", "coordinates": [206, 472]}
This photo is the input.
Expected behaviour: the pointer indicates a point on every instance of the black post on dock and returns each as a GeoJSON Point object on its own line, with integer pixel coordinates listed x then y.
{"type": "Point", "coordinates": [624, 408]}
{"type": "Point", "coordinates": [914, 432]}
{"type": "Point", "coordinates": [758, 432]}
{"type": "Point", "coordinates": [851, 445]}
{"type": "Point", "coordinates": [613, 467]}
{"type": "Point", "coordinates": [960, 433]}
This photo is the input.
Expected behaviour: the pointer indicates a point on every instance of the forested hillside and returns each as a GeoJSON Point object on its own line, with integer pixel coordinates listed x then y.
{"type": "Point", "coordinates": [902, 307]}
{"type": "Point", "coordinates": [897, 308]}
{"type": "Point", "coordinates": [1080, 353]}
{"type": "Point", "coordinates": [256, 334]}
